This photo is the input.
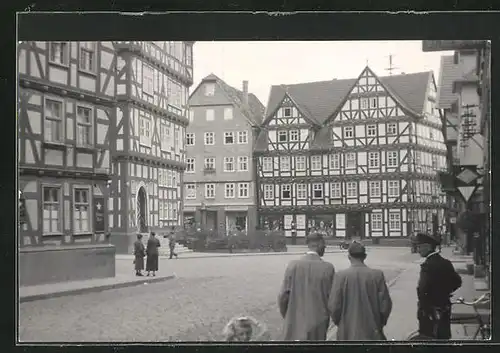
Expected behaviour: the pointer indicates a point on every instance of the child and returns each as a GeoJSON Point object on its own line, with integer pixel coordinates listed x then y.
{"type": "Point", "coordinates": [244, 329]}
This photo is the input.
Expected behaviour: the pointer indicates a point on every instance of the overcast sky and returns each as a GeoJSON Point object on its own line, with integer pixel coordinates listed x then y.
{"type": "Point", "coordinates": [266, 63]}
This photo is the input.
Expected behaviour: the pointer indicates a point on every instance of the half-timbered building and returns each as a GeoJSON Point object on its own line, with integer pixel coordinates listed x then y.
{"type": "Point", "coordinates": [149, 154]}
{"type": "Point", "coordinates": [66, 111]}
{"type": "Point", "coordinates": [352, 157]}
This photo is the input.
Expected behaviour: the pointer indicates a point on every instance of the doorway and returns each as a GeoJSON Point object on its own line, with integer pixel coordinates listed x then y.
{"type": "Point", "coordinates": [355, 226]}
{"type": "Point", "coordinates": [142, 225]}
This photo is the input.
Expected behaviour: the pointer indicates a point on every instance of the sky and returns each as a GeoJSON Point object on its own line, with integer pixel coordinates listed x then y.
{"type": "Point", "coordinates": [267, 63]}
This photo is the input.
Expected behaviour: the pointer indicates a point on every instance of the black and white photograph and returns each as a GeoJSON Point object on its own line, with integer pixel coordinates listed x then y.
{"type": "Point", "coordinates": [248, 191]}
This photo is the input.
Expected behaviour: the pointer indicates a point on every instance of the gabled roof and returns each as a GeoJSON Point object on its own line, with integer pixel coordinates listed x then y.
{"type": "Point", "coordinates": [448, 73]}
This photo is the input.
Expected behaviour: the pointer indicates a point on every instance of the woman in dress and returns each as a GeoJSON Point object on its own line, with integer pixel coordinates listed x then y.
{"type": "Point", "coordinates": [139, 253]}
{"type": "Point", "coordinates": [152, 252]}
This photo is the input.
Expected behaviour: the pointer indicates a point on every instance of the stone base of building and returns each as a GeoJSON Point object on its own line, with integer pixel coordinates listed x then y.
{"type": "Point", "coordinates": [43, 265]}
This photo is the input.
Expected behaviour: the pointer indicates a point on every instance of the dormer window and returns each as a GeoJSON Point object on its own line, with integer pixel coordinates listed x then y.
{"type": "Point", "coordinates": [287, 112]}
{"type": "Point", "coordinates": [282, 136]}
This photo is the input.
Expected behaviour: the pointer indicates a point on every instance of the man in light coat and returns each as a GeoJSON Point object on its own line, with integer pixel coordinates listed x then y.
{"type": "Point", "coordinates": [359, 302]}
{"type": "Point", "coordinates": [303, 299]}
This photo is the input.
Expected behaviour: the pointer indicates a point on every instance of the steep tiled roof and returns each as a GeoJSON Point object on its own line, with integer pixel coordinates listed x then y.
{"type": "Point", "coordinates": [448, 73]}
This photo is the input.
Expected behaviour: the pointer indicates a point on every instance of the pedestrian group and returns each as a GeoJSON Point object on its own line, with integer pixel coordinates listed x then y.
{"type": "Point", "coordinates": [151, 253]}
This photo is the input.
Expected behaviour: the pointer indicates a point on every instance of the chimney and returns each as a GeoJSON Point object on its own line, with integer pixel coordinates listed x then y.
{"type": "Point", "coordinates": [245, 92]}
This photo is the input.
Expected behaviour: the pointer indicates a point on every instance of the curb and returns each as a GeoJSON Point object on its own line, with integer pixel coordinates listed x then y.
{"type": "Point", "coordinates": [77, 291]}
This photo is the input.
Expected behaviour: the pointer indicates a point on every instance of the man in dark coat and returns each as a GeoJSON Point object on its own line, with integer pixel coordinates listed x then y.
{"type": "Point", "coordinates": [438, 280]}
{"type": "Point", "coordinates": [303, 299]}
{"type": "Point", "coordinates": [171, 243]}
{"type": "Point", "coordinates": [152, 252]}
{"type": "Point", "coordinates": [139, 254]}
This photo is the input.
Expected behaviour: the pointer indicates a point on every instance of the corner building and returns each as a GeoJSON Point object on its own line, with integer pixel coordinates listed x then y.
{"type": "Point", "coordinates": [352, 158]}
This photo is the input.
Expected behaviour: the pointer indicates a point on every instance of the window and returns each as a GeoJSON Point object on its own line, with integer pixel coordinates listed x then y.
{"type": "Point", "coordinates": [242, 137]}
{"type": "Point", "coordinates": [209, 191]}
{"type": "Point", "coordinates": [243, 163]}
{"type": "Point", "coordinates": [209, 138]}
{"type": "Point", "coordinates": [352, 189]}
{"type": "Point", "coordinates": [267, 164]}
{"type": "Point", "coordinates": [294, 135]}
{"type": "Point", "coordinates": [209, 163]}
{"type": "Point", "coordinates": [145, 130]}
{"type": "Point", "coordinates": [335, 191]}
{"type": "Point", "coordinates": [286, 191]}
{"type": "Point", "coordinates": [87, 56]}
{"type": "Point", "coordinates": [59, 53]}
{"type": "Point", "coordinates": [243, 190]}
{"type": "Point", "coordinates": [228, 113]}
{"type": "Point", "coordinates": [191, 116]}
{"type": "Point", "coordinates": [161, 210]}
{"type": "Point", "coordinates": [392, 158]}
{"type": "Point", "coordinates": [53, 121]}
{"type": "Point", "coordinates": [392, 129]}
{"type": "Point", "coordinates": [209, 115]}
{"type": "Point", "coordinates": [300, 162]}
{"type": "Point", "coordinates": [190, 139]}
{"type": "Point", "coordinates": [83, 126]}
{"type": "Point", "coordinates": [165, 132]}
{"type": "Point", "coordinates": [334, 161]}
{"type": "Point", "coordinates": [285, 163]}
{"type": "Point", "coordinates": [81, 212]}
{"type": "Point", "coordinates": [316, 162]}
{"type": "Point", "coordinates": [229, 164]}
{"type": "Point", "coordinates": [317, 191]}
{"type": "Point", "coordinates": [371, 130]}
{"type": "Point", "coordinates": [268, 192]}
{"type": "Point", "coordinates": [348, 131]}
{"type": "Point", "coordinates": [394, 221]}
{"type": "Point", "coordinates": [287, 112]}
{"type": "Point", "coordinates": [147, 79]}
{"type": "Point", "coordinates": [190, 165]}
{"type": "Point", "coordinates": [177, 134]}
{"type": "Point", "coordinates": [301, 191]}
{"type": "Point", "coordinates": [431, 134]}
{"type": "Point", "coordinates": [376, 221]}
{"type": "Point", "coordinates": [209, 89]}
{"type": "Point", "coordinates": [434, 161]}
{"type": "Point", "coordinates": [190, 191]}
{"type": "Point", "coordinates": [52, 217]}
{"type": "Point", "coordinates": [393, 188]}
{"type": "Point", "coordinates": [228, 138]}
{"type": "Point", "coordinates": [282, 136]}
{"type": "Point", "coordinates": [364, 103]}
{"type": "Point", "coordinates": [229, 191]}
{"type": "Point", "coordinates": [373, 159]}
{"type": "Point", "coordinates": [375, 188]}
{"type": "Point", "coordinates": [350, 159]}
{"type": "Point", "coordinates": [373, 102]}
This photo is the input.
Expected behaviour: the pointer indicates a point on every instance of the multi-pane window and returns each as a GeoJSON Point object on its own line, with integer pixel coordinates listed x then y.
{"type": "Point", "coordinates": [242, 137]}
{"type": "Point", "coordinates": [301, 191]}
{"type": "Point", "coordinates": [190, 165]}
{"type": "Point", "coordinates": [350, 160]}
{"type": "Point", "coordinates": [286, 191]}
{"type": "Point", "coordinates": [229, 190]}
{"type": "Point", "coordinates": [228, 137]}
{"type": "Point", "coordinates": [376, 219]}
{"type": "Point", "coordinates": [53, 125]}
{"type": "Point", "coordinates": [147, 79]}
{"type": "Point", "coordinates": [364, 103]}
{"type": "Point", "coordinates": [317, 191]}
{"type": "Point", "coordinates": [83, 126]}
{"type": "Point", "coordinates": [190, 139]}
{"type": "Point", "coordinates": [371, 130]}
{"type": "Point", "coordinates": [229, 164]}
{"type": "Point", "coordinates": [394, 221]}
{"type": "Point", "coordinates": [316, 162]}
{"type": "Point", "coordinates": [209, 138]}
{"type": "Point", "coordinates": [243, 190]}
{"type": "Point", "coordinates": [374, 159]}
{"type": "Point", "coordinates": [391, 129]}
{"type": "Point", "coordinates": [348, 131]}
{"type": "Point", "coordinates": [392, 158]}
{"type": "Point", "coordinates": [268, 192]}
{"type": "Point", "coordinates": [335, 161]}
{"type": "Point", "coordinates": [243, 163]}
{"type": "Point", "coordinates": [52, 217]}
{"type": "Point", "coordinates": [267, 164]}
{"type": "Point", "coordinates": [375, 189]}
{"type": "Point", "coordinates": [190, 191]}
{"type": "Point", "coordinates": [434, 161]}
{"type": "Point", "coordinates": [282, 136]}
{"type": "Point", "coordinates": [352, 189]}
{"type": "Point", "coordinates": [335, 191]}
{"type": "Point", "coordinates": [300, 162]}
{"type": "Point", "coordinates": [59, 53]}
{"type": "Point", "coordinates": [294, 135]}
{"type": "Point", "coordinates": [393, 188]}
{"type": "Point", "coordinates": [285, 163]}
{"type": "Point", "coordinates": [209, 163]}
{"type": "Point", "coordinates": [165, 133]}
{"type": "Point", "coordinates": [88, 56]}
{"type": "Point", "coordinates": [145, 130]}
{"type": "Point", "coordinates": [209, 115]}
{"type": "Point", "coordinates": [209, 89]}
{"type": "Point", "coordinates": [81, 210]}
{"type": "Point", "coordinates": [228, 113]}
{"type": "Point", "coordinates": [209, 191]}
{"type": "Point", "coordinates": [161, 210]}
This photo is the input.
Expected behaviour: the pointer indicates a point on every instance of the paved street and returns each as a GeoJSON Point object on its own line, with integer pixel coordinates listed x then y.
{"type": "Point", "coordinates": [195, 306]}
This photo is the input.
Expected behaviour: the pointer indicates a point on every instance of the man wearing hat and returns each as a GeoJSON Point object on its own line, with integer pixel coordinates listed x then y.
{"type": "Point", "coordinates": [438, 280]}
{"type": "Point", "coordinates": [303, 298]}
{"type": "Point", "coordinates": [359, 302]}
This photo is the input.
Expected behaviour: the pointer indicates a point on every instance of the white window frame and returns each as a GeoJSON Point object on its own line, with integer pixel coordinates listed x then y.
{"type": "Point", "coordinates": [371, 130]}
{"type": "Point", "coordinates": [243, 162]}
{"type": "Point", "coordinates": [285, 163]}
{"type": "Point", "coordinates": [335, 161]}
{"type": "Point", "coordinates": [209, 115]}
{"type": "Point", "coordinates": [243, 190]}
{"type": "Point", "coordinates": [54, 120]}
{"type": "Point", "coordinates": [375, 185]}
{"type": "Point", "coordinates": [209, 89]}
{"type": "Point", "coordinates": [191, 161]}
{"type": "Point", "coordinates": [209, 138]}
{"type": "Point", "coordinates": [229, 161]}
{"type": "Point", "coordinates": [393, 188]}
{"type": "Point", "coordinates": [392, 158]}
{"type": "Point", "coordinates": [229, 190]}
{"type": "Point", "coordinates": [377, 222]}
{"type": "Point", "coordinates": [210, 191]}
{"type": "Point", "coordinates": [190, 139]}
{"type": "Point", "coordinates": [268, 192]}
{"type": "Point", "coordinates": [88, 204]}
{"type": "Point", "coordinates": [284, 188]}
{"type": "Point", "coordinates": [267, 164]}
{"type": "Point", "coordinates": [59, 210]}
{"type": "Point", "coordinates": [317, 187]}
{"type": "Point", "coordinates": [90, 49]}
{"type": "Point", "coordinates": [392, 129]}
{"type": "Point", "coordinates": [348, 132]}
{"type": "Point", "coordinates": [350, 190]}
{"type": "Point", "coordinates": [353, 160]}
{"type": "Point", "coordinates": [283, 133]}
{"type": "Point", "coordinates": [228, 113]}
{"type": "Point", "coordinates": [301, 191]}
{"type": "Point", "coordinates": [242, 137]}
{"type": "Point", "coordinates": [86, 125]}
{"type": "Point", "coordinates": [294, 135]}
{"type": "Point", "coordinates": [363, 103]}
{"type": "Point", "coordinates": [229, 134]}
{"type": "Point", "coordinates": [300, 163]}
{"type": "Point", "coordinates": [287, 109]}
{"type": "Point", "coordinates": [209, 163]}
{"type": "Point", "coordinates": [394, 221]}
{"type": "Point", "coordinates": [147, 80]}
{"type": "Point", "coordinates": [316, 162]}
{"type": "Point", "coordinates": [64, 53]}
{"type": "Point", "coordinates": [373, 159]}
{"type": "Point", "coordinates": [144, 130]}
{"type": "Point", "coordinates": [190, 191]}
{"type": "Point", "coordinates": [335, 190]}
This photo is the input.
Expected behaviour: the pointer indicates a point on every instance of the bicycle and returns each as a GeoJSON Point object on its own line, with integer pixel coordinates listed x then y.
{"type": "Point", "coordinates": [475, 318]}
